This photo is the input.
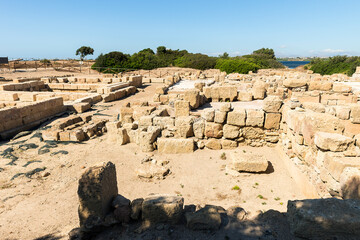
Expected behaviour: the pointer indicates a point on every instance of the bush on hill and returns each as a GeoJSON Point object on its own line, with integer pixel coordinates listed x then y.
{"type": "Point", "coordinates": [337, 64]}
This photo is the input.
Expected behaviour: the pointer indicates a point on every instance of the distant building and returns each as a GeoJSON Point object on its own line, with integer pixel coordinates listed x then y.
{"type": "Point", "coordinates": [4, 60]}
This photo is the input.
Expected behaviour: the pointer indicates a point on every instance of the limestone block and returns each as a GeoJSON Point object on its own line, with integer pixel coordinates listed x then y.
{"type": "Point", "coordinates": [77, 135]}
{"type": "Point", "coordinates": [225, 107]}
{"type": "Point", "coordinates": [320, 85]}
{"type": "Point", "coordinates": [231, 131]}
{"type": "Point", "coordinates": [81, 107]}
{"type": "Point", "coordinates": [162, 209]}
{"type": "Point", "coordinates": [146, 121]}
{"type": "Point", "coordinates": [237, 117]}
{"type": "Point", "coordinates": [96, 191]}
{"type": "Point", "coordinates": [182, 108]}
{"type": "Point", "coordinates": [332, 141]}
{"type": "Point", "coordinates": [163, 121]}
{"type": "Point", "coordinates": [341, 88]}
{"type": "Point", "coordinates": [193, 97]}
{"type": "Point", "coordinates": [272, 120]}
{"type": "Point", "coordinates": [173, 145]}
{"type": "Point", "coordinates": [254, 118]}
{"type": "Point", "coordinates": [350, 183]}
{"type": "Point", "coordinates": [315, 107]}
{"type": "Point", "coordinates": [146, 139]}
{"type": "Point", "coordinates": [199, 128]}
{"type": "Point", "coordinates": [184, 126]}
{"type": "Point", "coordinates": [228, 144]}
{"type": "Point", "coordinates": [246, 162]}
{"type": "Point", "coordinates": [342, 112]}
{"type": "Point", "coordinates": [207, 218]}
{"type": "Point", "coordinates": [214, 144]}
{"type": "Point", "coordinates": [355, 114]}
{"type": "Point", "coordinates": [336, 164]}
{"type": "Point", "coordinates": [324, 218]}
{"type": "Point", "coordinates": [208, 115]}
{"type": "Point", "coordinates": [213, 130]}
{"type": "Point", "coordinates": [220, 117]}
{"type": "Point", "coordinates": [272, 104]}
{"type": "Point", "coordinates": [246, 96]}
{"type": "Point", "coordinates": [295, 82]}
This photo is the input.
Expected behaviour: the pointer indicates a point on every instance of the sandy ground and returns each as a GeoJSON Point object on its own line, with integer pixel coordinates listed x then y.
{"type": "Point", "coordinates": [45, 203]}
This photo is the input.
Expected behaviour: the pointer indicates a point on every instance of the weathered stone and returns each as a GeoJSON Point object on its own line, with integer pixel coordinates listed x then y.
{"type": "Point", "coordinates": [294, 82]}
{"type": "Point", "coordinates": [136, 206]}
{"type": "Point", "coordinates": [320, 85]}
{"type": "Point", "coordinates": [207, 218]}
{"type": "Point", "coordinates": [193, 97]}
{"type": "Point", "coordinates": [146, 121]}
{"type": "Point", "coordinates": [355, 114]}
{"type": "Point", "coordinates": [228, 144]}
{"type": "Point", "coordinates": [254, 118]}
{"type": "Point", "coordinates": [162, 209]}
{"type": "Point", "coordinates": [336, 163]}
{"type": "Point", "coordinates": [350, 183]}
{"type": "Point", "coordinates": [225, 107]}
{"type": "Point", "coordinates": [258, 90]}
{"type": "Point", "coordinates": [213, 130]}
{"type": "Point", "coordinates": [237, 117]}
{"type": "Point", "coordinates": [343, 112]}
{"type": "Point", "coordinates": [119, 136]}
{"type": "Point", "coordinates": [230, 131]}
{"type": "Point", "coordinates": [170, 145]}
{"type": "Point", "coordinates": [214, 144]}
{"type": "Point", "coordinates": [184, 126]}
{"type": "Point", "coordinates": [162, 122]}
{"type": "Point", "coordinates": [208, 115]}
{"type": "Point", "coordinates": [182, 108]}
{"type": "Point", "coordinates": [150, 170]}
{"type": "Point", "coordinates": [332, 141]}
{"type": "Point", "coordinates": [247, 96]}
{"type": "Point", "coordinates": [220, 117]}
{"type": "Point", "coordinates": [272, 120]}
{"type": "Point", "coordinates": [324, 218]}
{"type": "Point", "coordinates": [316, 107]}
{"type": "Point", "coordinates": [246, 162]}
{"type": "Point", "coordinates": [96, 191]}
{"type": "Point", "coordinates": [122, 208]}
{"type": "Point", "coordinates": [236, 212]}
{"type": "Point", "coordinates": [252, 133]}
{"type": "Point", "coordinates": [199, 128]}
{"type": "Point", "coordinates": [272, 104]}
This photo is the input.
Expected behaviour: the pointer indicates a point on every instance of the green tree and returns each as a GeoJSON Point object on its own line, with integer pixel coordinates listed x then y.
{"type": "Point", "coordinates": [265, 52]}
{"type": "Point", "coordinates": [84, 51]}
{"type": "Point", "coordinates": [225, 55]}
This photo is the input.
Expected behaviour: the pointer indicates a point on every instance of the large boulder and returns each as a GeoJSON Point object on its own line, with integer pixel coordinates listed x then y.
{"type": "Point", "coordinates": [97, 189]}
{"type": "Point", "coordinates": [182, 108]}
{"type": "Point", "coordinates": [162, 209]}
{"type": "Point", "coordinates": [193, 97]}
{"type": "Point", "coordinates": [295, 82]}
{"type": "Point", "coordinates": [184, 126]}
{"type": "Point", "coordinates": [332, 141]}
{"type": "Point", "coordinates": [324, 218]}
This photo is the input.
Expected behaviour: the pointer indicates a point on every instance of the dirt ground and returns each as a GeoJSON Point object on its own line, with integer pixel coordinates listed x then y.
{"type": "Point", "coordinates": [44, 205]}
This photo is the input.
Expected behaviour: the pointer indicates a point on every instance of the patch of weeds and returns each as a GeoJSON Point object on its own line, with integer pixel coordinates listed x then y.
{"type": "Point", "coordinates": [181, 185]}
{"type": "Point", "coordinates": [256, 184]}
{"type": "Point", "coordinates": [281, 203]}
{"type": "Point", "coordinates": [30, 162]}
{"type": "Point", "coordinates": [260, 196]}
{"type": "Point", "coordinates": [244, 201]}
{"type": "Point", "coordinates": [223, 156]}
{"type": "Point", "coordinates": [244, 151]}
{"type": "Point", "coordinates": [263, 203]}
{"type": "Point", "coordinates": [236, 187]}
{"type": "Point", "coordinates": [277, 199]}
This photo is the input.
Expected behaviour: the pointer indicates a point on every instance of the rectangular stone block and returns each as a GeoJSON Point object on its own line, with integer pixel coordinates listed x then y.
{"type": "Point", "coordinates": [175, 146]}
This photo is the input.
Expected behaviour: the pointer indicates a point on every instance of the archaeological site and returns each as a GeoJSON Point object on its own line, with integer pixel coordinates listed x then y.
{"type": "Point", "coordinates": [179, 153]}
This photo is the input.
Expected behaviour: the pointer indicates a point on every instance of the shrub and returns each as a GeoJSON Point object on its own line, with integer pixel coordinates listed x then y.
{"type": "Point", "coordinates": [337, 64]}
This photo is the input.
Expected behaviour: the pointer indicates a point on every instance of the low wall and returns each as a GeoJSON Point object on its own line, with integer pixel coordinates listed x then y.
{"type": "Point", "coordinates": [17, 117]}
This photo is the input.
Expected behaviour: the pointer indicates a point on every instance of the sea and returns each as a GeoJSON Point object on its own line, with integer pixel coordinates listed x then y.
{"type": "Point", "coordinates": [294, 64]}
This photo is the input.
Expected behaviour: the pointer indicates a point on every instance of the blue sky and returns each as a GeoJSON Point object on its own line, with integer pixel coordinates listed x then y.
{"type": "Point", "coordinates": [56, 28]}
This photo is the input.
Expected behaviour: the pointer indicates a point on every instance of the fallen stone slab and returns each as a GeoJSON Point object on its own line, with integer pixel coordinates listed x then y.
{"type": "Point", "coordinates": [324, 218]}
{"type": "Point", "coordinates": [162, 209]}
{"type": "Point", "coordinates": [248, 162]}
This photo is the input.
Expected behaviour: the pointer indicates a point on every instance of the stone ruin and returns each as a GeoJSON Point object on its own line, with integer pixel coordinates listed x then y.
{"type": "Point", "coordinates": [314, 119]}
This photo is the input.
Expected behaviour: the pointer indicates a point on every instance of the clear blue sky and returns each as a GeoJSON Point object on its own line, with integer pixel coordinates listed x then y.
{"type": "Point", "coordinates": [56, 28]}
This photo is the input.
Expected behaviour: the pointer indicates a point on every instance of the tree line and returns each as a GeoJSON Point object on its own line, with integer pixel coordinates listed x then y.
{"type": "Point", "coordinates": [163, 57]}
